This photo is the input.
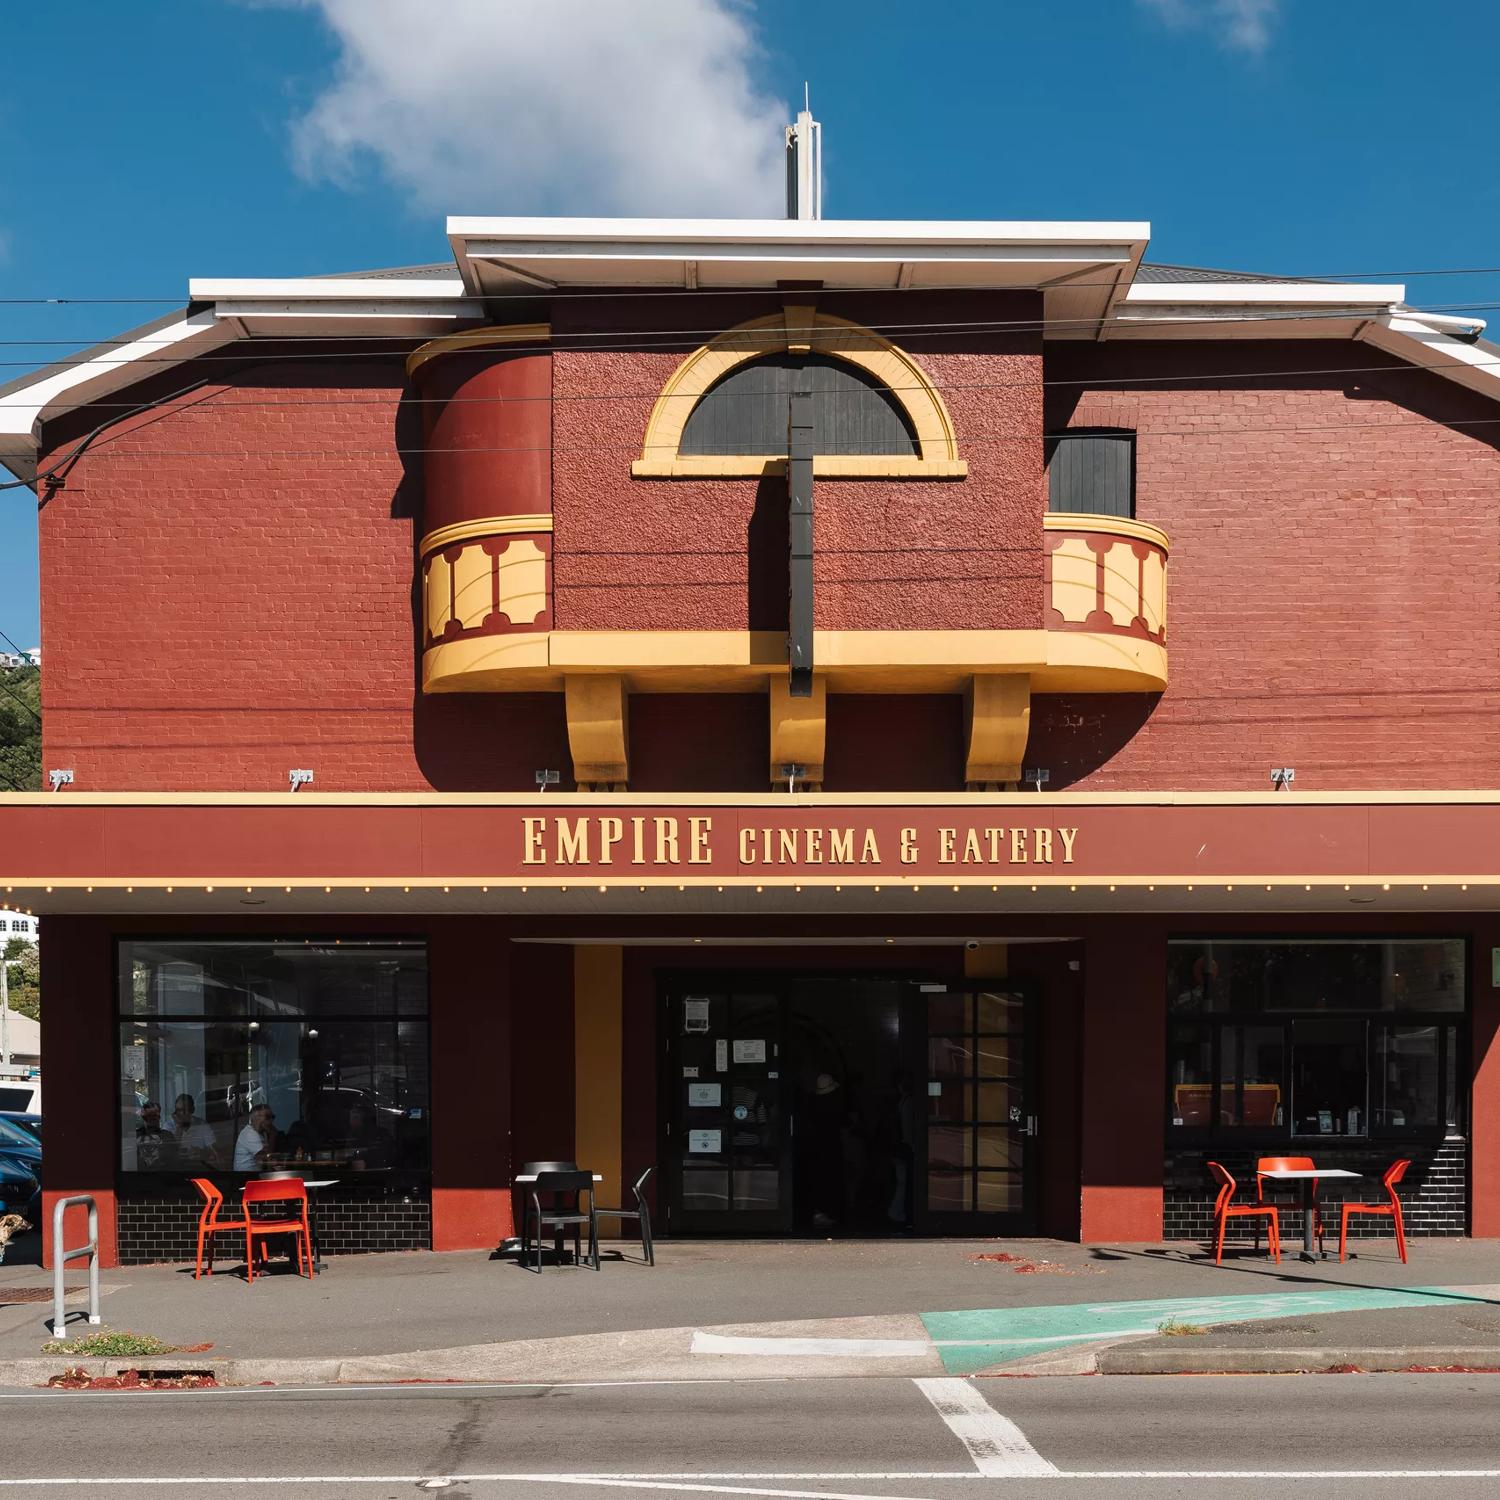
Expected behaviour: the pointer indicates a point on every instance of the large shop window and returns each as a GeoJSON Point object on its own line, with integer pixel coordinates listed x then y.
{"type": "Point", "coordinates": [1332, 1036]}
{"type": "Point", "coordinates": [249, 1056]}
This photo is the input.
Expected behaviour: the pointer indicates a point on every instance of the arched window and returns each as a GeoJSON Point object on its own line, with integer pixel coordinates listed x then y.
{"type": "Point", "coordinates": [724, 411]}
{"type": "Point", "coordinates": [746, 410]}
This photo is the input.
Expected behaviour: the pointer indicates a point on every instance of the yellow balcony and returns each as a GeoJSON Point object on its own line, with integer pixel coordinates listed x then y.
{"type": "Point", "coordinates": [1105, 629]}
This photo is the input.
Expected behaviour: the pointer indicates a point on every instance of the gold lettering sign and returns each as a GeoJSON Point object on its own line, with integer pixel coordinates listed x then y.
{"type": "Point", "coordinates": [667, 840]}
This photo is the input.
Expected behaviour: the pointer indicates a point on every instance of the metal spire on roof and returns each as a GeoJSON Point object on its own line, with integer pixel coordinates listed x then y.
{"type": "Point", "coordinates": [804, 163]}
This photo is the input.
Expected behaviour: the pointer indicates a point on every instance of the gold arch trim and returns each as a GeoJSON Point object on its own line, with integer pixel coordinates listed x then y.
{"type": "Point", "coordinates": [493, 336]}
{"type": "Point", "coordinates": [468, 531]}
{"type": "Point", "coordinates": [809, 332]}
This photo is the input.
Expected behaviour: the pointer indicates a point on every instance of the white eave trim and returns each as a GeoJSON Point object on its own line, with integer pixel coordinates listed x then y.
{"type": "Point", "coordinates": [90, 376]}
{"type": "Point", "coordinates": [1270, 294]}
{"type": "Point", "coordinates": [672, 234]}
{"type": "Point", "coordinates": [1412, 337]}
{"type": "Point", "coordinates": [629, 252]}
{"type": "Point", "coordinates": [325, 289]}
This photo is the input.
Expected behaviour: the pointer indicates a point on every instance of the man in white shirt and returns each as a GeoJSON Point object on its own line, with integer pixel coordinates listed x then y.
{"type": "Point", "coordinates": [196, 1146]}
{"type": "Point", "coordinates": [256, 1140]}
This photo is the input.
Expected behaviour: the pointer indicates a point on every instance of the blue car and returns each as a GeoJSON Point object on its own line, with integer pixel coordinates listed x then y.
{"type": "Point", "coordinates": [20, 1137]}
{"type": "Point", "coordinates": [20, 1189]}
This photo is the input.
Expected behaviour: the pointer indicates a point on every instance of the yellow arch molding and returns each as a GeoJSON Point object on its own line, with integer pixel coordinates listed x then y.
{"type": "Point", "coordinates": [802, 330]}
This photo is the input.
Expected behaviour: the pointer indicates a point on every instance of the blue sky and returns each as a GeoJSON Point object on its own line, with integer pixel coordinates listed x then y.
{"type": "Point", "coordinates": [142, 144]}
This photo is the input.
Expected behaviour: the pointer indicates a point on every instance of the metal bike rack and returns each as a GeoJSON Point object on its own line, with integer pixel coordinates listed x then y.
{"type": "Point", "coordinates": [61, 1256]}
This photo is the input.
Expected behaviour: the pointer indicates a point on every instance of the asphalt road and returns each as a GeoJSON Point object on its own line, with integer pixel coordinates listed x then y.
{"type": "Point", "coordinates": [1337, 1436]}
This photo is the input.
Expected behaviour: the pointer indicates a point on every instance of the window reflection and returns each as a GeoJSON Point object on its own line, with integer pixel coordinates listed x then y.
{"type": "Point", "coordinates": [1345, 1066]}
{"type": "Point", "coordinates": [250, 1057]}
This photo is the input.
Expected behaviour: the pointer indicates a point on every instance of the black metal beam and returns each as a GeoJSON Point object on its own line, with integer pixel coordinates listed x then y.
{"type": "Point", "coordinates": [799, 482]}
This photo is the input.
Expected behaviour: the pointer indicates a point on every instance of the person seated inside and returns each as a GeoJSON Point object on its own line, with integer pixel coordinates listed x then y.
{"type": "Point", "coordinates": [257, 1141]}
{"type": "Point", "coordinates": [149, 1148]}
{"type": "Point", "coordinates": [196, 1146]}
{"type": "Point", "coordinates": [366, 1141]}
{"type": "Point", "coordinates": [304, 1140]}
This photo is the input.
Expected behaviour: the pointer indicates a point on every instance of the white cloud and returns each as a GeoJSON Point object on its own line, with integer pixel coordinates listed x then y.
{"type": "Point", "coordinates": [549, 106]}
{"type": "Point", "coordinates": [1241, 25]}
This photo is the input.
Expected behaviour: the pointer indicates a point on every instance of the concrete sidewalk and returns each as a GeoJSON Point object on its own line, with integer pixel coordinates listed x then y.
{"type": "Point", "coordinates": [711, 1309]}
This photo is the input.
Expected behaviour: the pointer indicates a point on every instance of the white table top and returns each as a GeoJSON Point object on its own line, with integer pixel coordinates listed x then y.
{"type": "Point", "coordinates": [316, 1182]}
{"type": "Point", "coordinates": [531, 1177]}
{"type": "Point", "coordinates": [1290, 1174]}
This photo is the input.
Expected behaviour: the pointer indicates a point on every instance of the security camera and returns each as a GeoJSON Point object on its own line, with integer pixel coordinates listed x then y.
{"type": "Point", "coordinates": [972, 944]}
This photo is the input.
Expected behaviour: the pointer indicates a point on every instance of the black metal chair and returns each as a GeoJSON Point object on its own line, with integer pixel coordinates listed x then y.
{"type": "Point", "coordinates": [535, 1169]}
{"type": "Point", "coordinates": [558, 1217]}
{"type": "Point", "coordinates": [641, 1211]}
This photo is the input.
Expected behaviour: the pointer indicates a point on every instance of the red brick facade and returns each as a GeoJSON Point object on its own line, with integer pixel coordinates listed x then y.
{"type": "Point", "coordinates": [228, 584]}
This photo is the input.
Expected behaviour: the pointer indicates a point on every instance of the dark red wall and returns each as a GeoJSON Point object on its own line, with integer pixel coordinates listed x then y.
{"type": "Point", "coordinates": [1326, 609]}
{"type": "Point", "coordinates": [227, 585]}
{"type": "Point", "coordinates": [681, 554]}
{"type": "Point", "coordinates": [543, 1091]}
{"type": "Point", "coordinates": [81, 1043]}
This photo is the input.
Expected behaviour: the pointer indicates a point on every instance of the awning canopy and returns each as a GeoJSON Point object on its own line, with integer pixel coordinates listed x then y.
{"type": "Point", "coordinates": [667, 856]}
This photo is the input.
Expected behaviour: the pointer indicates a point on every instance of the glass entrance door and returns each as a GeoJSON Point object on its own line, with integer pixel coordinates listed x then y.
{"type": "Point", "coordinates": [981, 1122]}
{"type": "Point", "coordinates": [727, 1141]}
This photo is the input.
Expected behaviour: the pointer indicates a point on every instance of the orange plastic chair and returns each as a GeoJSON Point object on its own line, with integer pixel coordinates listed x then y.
{"type": "Point", "coordinates": [210, 1224]}
{"type": "Point", "coordinates": [279, 1190]}
{"type": "Point", "coordinates": [1226, 1209]}
{"type": "Point", "coordinates": [1290, 1164]}
{"type": "Point", "coordinates": [1392, 1210]}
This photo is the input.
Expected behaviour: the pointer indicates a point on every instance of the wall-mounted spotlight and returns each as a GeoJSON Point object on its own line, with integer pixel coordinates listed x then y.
{"type": "Point", "coordinates": [544, 779]}
{"type": "Point", "coordinates": [1036, 776]}
{"type": "Point", "coordinates": [60, 778]}
{"type": "Point", "coordinates": [1283, 776]}
{"type": "Point", "coordinates": [297, 779]}
{"type": "Point", "coordinates": [792, 771]}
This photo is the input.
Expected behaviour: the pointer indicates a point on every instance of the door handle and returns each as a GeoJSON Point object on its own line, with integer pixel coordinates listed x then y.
{"type": "Point", "coordinates": [1031, 1128]}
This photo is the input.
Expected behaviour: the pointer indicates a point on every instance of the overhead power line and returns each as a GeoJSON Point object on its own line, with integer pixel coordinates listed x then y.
{"type": "Point", "coordinates": [984, 440]}
{"type": "Point", "coordinates": [543, 293]}
{"type": "Point", "coordinates": [217, 402]}
{"type": "Point", "coordinates": [653, 339]}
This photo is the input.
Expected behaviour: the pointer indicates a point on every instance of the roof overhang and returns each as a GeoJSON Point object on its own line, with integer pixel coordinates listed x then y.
{"type": "Point", "coordinates": [1249, 310]}
{"type": "Point", "coordinates": [1084, 270]}
{"type": "Point", "coordinates": [1081, 267]}
{"type": "Point", "coordinates": [314, 306]}
{"type": "Point", "coordinates": [222, 312]}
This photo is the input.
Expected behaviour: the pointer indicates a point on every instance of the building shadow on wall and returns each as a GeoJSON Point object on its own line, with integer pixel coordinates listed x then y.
{"type": "Point", "coordinates": [767, 543]}
{"type": "Point", "coordinates": [1074, 737]}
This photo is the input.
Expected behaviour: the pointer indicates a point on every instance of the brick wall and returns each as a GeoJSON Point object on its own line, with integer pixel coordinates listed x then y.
{"type": "Point", "coordinates": [1331, 601]}
{"type": "Point", "coordinates": [228, 584]}
{"type": "Point", "coordinates": [1434, 1195]}
{"type": "Point", "coordinates": [711, 554]}
{"type": "Point", "coordinates": [163, 1226]}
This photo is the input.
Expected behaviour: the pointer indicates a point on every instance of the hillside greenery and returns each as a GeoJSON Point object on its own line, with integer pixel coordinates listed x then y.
{"type": "Point", "coordinates": [20, 729]}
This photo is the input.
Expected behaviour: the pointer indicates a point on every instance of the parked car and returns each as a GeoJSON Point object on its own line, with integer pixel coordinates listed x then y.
{"type": "Point", "coordinates": [20, 1188]}
{"type": "Point", "coordinates": [17, 1140]}
{"type": "Point", "coordinates": [20, 1095]}
{"type": "Point", "coordinates": [31, 1124]}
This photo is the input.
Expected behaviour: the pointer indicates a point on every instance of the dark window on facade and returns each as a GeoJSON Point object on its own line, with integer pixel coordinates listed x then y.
{"type": "Point", "coordinates": [746, 411]}
{"type": "Point", "coordinates": [1344, 1037]}
{"type": "Point", "coordinates": [248, 1056]}
{"type": "Point", "coordinates": [1092, 472]}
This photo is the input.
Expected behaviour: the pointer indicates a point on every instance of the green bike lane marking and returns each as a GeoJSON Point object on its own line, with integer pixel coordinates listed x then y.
{"type": "Point", "coordinates": [974, 1339]}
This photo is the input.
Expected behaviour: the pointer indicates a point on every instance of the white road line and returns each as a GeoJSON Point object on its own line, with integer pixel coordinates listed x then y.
{"type": "Point", "coordinates": [721, 1343]}
{"type": "Point", "coordinates": [701, 1487]}
{"type": "Point", "coordinates": [717, 1482]}
{"type": "Point", "coordinates": [404, 1388]}
{"type": "Point", "coordinates": [997, 1446]}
